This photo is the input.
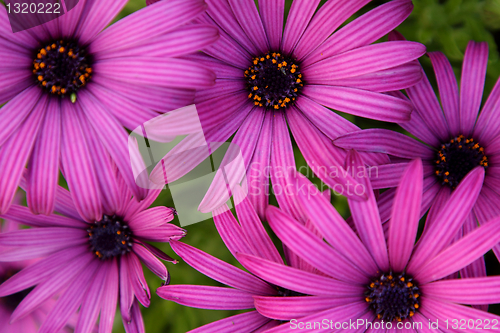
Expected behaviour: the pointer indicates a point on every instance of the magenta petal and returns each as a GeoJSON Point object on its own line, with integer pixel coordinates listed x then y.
{"type": "Point", "coordinates": [450, 219]}
{"type": "Point", "coordinates": [99, 15]}
{"type": "Point", "coordinates": [339, 314]}
{"type": "Point", "coordinates": [40, 270]}
{"type": "Point", "coordinates": [405, 216]}
{"type": "Point", "coordinates": [242, 323]}
{"type": "Point", "coordinates": [363, 60]}
{"type": "Point", "coordinates": [488, 124]}
{"type": "Point", "coordinates": [230, 231]}
{"type": "Point", "coordinates": [364, 30]}
{"type": "Point", "coordinates": [333, 227]}
{"type": "Point", "coordinates": [143, 24]}
{"type": "Point", "coordinates": [109, 298]}
{"type": "Point", "coordinates": [385, 141]}
{"type": "Point", "coordinates": [91, 304]}
{"type": "Point", "coordinates": [115, 140]}
{"type": "Point", "coordinates": [43, 170]}
{"type": "Point", "coordinates": [272, 13]}
{"type": "Point", "coordinates": [282, 161]}
{"type": "Point", "coordinates": [136, 323]}
{"type": "Point", "coordinates": [327, 19]}
{"type": "Point", "coordinates": [298, 280]}
{"type": "Point", "coordinates": [325, 159]}
{"type": "Point", "coordinates": [126, 289]}
{"type": "Point", "coordinates": [361, 102]}
{"type": "Point", "coordinates": [448, 90]}
{"type": "Point", "coordinates": [24, 216]}
{"type": "Point", "coordinates": [461, 253]}
{"type": "Point", "coordinates": [313, 250]}
{"type": "Point", "coordinates": [287, 308]}
{"type": "Point", "coordinates": [366, 215]}
{"type": "Point", "coordinates": [247, 15]}
{"type": "Point", "coordinates": [427, 106]}
{"type": "Point", "coordinates": [207, 297]}
{"type": "Point", "coordinates": [255, 232]}
{"type": "Point", "coordinates": [151, 218]}
{"type": "Point", "coordinates": [151, 262]}
{"type": "Point", "coordinates": [387, 175]}
{"type": "Point", "coordinates": [53, 284]}
{"type": "Point", "coordinates": [472, 84]}
{"type": "Point", "coordinates": [77, 164]}
{"type": "Point", "coordinates": [258, 191]}
{"type": "Point", "coordinates": [484, 290]}
{"type": "Point", "coordinates": [298, 19]}
{"type": "Point", "coordinates": [220, 270]}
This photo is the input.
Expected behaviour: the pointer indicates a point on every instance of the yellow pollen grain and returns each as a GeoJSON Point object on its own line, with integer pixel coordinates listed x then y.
{"type": "Point", "coordinates": [40, 78]}
{"type": "Point", "coordinates": [44, 83]}
{"type": "Point", "coordinates": [118, 232]}
{"type": "Point", "coordinates": [262, 59]}
{"type": "Point", "coordinates": [39, 56]}
{"type": "Point", "coordinates": [61, 49]}
{"type": "Point", "coordinates": [43, 52]}
{"type": "Point", "coordinates": [274, 61]}
{"type": "Point", "coordinates": [256, 103]}
{"type": "Point", "coordinates": [53, 46]}
{"type": "Point", "coordinates": [255, 88]}
{"type": "Point", "coordinates": [416, 306]}
{"type": "Point", "coordinates": [63, 90]}
{"type": "Point", "coordinates": [250, 95]}
{"type": "Point", "coordinates": [276, 107]}
{"type": "Point", "coordinates": [267, 56]}
{"type": "Point", "coordinates": [293, 70]}
{"type": "Point", "coordinates": [123, 242]}
{"type": "Point", "coordinates": [255, 62]}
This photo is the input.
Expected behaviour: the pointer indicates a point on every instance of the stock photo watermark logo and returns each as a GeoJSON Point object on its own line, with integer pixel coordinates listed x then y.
{"type": "Point", "coordinates": [180, 157]}
{"type": "Point", "coordinates": [172, 150]}
{"type": "Point", "coordinates": [27, 14]}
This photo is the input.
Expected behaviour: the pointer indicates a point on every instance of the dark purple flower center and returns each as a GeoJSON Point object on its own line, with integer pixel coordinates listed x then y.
{"type": "Point", "coordinates": [62, 67]}
{"type": "Point", "coordinates": [393, 297]}
{"type": "Point", "coordinates": [12, 301]}
{"type": "Point", "coordinates": [456, 158]}
{"type": "Point", "coordinates": [110, 237]}
{"type": "Point", "coordinates": [273, 80]}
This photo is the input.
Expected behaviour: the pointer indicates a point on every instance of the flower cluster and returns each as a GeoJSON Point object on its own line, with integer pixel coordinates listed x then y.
{"type": "Point", "coordinates": [424, 210]}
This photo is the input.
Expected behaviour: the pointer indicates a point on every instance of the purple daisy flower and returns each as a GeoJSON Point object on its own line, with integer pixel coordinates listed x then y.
{"type": "Point", "coordinates": [455, 140]}
{"type": "Point", "coordinates": [248, 236]}
{"type": "Point", "coordinates": [394, 282]}
{"type": "Point", "coordinates": [92, 265]}
{"type": "Point", "coordinates": [71, 88]}
{"type": "Point", "coordinates": [268, 77]}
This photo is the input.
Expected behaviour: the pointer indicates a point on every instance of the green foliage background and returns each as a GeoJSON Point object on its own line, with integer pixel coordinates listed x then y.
{"type": "Point", "coordinates": [441, 25]}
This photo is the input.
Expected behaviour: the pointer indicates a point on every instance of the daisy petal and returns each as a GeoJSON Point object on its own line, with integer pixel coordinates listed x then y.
{"type": "Point", "coordinates": [247, 15]}
{"type": "Point", "coordinates": [43, 169]}
{"type": "Point", "coordinates": [109, 298]}
{"type": "Point", "coordinates": [364, 30]}
{"type": "Point", "coordinates": [242, 323]}
{"type": "Point", "coordinates": [448, 89]}
{"type": "Point", "coordinates": [207, 297]}
{"type": "Point", "coordinates": [484, 290]}
{"type": "Point", "coordinates": [405, 216]}
{"type": "Point", "coordinates": [364, 60]}
{"type": "Point", "coordinates": [298, 19]}
{"type": "Point", "coordinates": [296, 279]}
{"type": "Point", "coordinates": [287, 308]}
{"type": "Point", "coordinates": [361, 102]}
{"type": "Point", "coordinates": [385, 141]}
{"type": "Point", "coordinates": [272, 13]}
{"type": "Point", "coordinates": [312, 249]}
{"type": "Point", "coordinates": [450, 218]}
{"type": "Point", "coordinates": [220, 270]}
{"type": "Point", "coordinates": [462, 253]}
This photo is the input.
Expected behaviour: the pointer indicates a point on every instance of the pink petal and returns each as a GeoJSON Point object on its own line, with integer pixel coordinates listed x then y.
{"type": "Point", "coordinates": [242, 323]}
{"type": "Point", "coordinates": [472, 291]}
{"type": "Point", "coordinates": [297, 280]}
{"type": "Point", "coordinates": [405, 216]}
{"type": "Point", "coordinates": [472, 84]}
{"type": "Point", "coordinates": [361, 103]}
{"type": "Point", "coordinates": [248, 17]}
{"type": "Point", "coordinates": [272, 13]}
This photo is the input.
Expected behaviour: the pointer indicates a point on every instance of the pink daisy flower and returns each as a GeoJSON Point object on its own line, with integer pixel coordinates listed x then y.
{"type": "Point", "coordinates": [70, 87]}
{"type": "Point", "coordinates": [268, 77]}
{"type": "Point", "coordinates": [91, 265]}
{"type": "Point", "coordinates": [394, 282]}
{"type": "Point", "coordinates": [248, 236]}
{"type": "Point", "coordinates": [452, 140]}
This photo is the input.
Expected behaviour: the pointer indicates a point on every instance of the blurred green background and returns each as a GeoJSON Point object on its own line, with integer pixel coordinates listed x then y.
{"type": "Point", "coordinates": [441, 25]}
